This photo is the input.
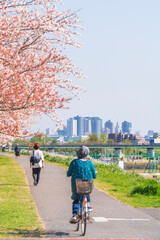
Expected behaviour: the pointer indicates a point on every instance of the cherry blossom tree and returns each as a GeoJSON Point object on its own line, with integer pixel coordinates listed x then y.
{"type": "Point", "coordinates": [36, 76]}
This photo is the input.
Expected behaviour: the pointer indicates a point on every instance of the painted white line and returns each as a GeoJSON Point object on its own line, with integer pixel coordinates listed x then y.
{"type": "Point", "coordinates": [103, 219]}
{"type": "Point", "coordinates": [100, 219]}
{"type": "Point", "coordinates": [126, 219]}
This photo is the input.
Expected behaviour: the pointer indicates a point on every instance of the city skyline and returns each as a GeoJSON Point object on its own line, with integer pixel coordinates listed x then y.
{"type": "Point", "coordinates": [85, 125]}
{"type": "Point", "coordinates": [54, 128]}
{"type": "Point", "coordinates": [120, 56]}
{"type": "Point", "coordinates": [79, 128]}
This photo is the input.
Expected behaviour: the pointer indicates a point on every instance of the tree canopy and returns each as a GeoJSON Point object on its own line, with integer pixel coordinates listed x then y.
{"type": "Point", "coordinates": [93, 138]}
{"type": "Point", "coordinates": [35, 72]}
{"type": "Point", "coordinates": [103, 138]}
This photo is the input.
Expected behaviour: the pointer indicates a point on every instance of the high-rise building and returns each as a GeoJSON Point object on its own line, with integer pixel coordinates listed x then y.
{"type": "Point", "coordinates": [126, 127]}
{"type": "Point", "coordinates": [50, 132]}
{"type": "Point", "coordinates": [107, 131]}
{"type": "Point", "coordinates": [117, 128]}
{"type": "Point", "coordinates": [109, 125]}
{"type": "Point", "coordinates": [62, 132]}
{"type": "Point", "coordinates": [150, 133]}
{"type": "Point", "coordinates": [72, 127]}
{"type": "Point", "coordinates": [87, 129]}
{"type": "Point", "coordinates": [83, 126]}
{"type": "Point", "coordinates": [80, 123]}
{"type": "Point", "coordinates": [96, 125]}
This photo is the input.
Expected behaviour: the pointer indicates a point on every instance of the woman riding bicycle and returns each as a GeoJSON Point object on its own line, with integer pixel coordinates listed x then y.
{"type": "Point", "coordinates": [80, 168]}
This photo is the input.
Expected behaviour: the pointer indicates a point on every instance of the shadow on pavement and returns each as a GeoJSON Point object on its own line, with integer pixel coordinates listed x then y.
{"type": "Point", "coordinates": [60, 234]}
{"type": "Point", "coordinates": [23, 233]}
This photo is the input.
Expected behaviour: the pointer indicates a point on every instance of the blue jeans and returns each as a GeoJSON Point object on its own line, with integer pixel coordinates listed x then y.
{"type": "Point", "coordinates": [75, 205]}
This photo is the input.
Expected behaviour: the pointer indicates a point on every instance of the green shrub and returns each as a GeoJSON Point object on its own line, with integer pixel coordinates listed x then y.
{"type": "Point", "coordinates": [58, 159]}
{"type": "Point", "coordinates": [148, 190]}
{"type": "Point", "coordinates": [25, 152]}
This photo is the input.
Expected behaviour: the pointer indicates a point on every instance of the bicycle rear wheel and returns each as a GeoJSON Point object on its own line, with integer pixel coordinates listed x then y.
{"type": "Point", "coordinates": [84, 216]}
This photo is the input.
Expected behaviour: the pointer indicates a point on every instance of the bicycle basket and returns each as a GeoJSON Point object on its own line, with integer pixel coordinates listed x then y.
{"type": "Point", "coordinates": [84, 187]}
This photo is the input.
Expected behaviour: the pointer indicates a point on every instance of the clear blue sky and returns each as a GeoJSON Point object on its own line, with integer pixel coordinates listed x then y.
{"type": "Point", "coordinates": [121, 57]}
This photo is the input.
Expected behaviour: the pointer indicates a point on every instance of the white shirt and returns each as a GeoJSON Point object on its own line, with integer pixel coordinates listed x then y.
{"type": "Point", "coordinates": [38, 154]}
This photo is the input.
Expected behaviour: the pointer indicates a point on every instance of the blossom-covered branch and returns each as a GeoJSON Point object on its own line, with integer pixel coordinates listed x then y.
{"type": "Point", "coordinates": [35, 72]}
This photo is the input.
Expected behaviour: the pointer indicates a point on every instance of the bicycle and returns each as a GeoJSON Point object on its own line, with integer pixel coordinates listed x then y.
{"type": "Point", "coordinates": [84, 188]}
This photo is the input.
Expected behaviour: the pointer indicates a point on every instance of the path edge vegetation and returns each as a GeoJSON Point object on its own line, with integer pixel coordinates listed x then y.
{"type": "Point", "coordinates": [19, 214]}
{"type": "Point", "coordinates": [127, 187]}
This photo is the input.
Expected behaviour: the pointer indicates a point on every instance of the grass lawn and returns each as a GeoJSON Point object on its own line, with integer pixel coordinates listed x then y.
{"type": "Point", "coordinates": [128, 187]}
{"type": "Point", "coordinates": [18, 215]}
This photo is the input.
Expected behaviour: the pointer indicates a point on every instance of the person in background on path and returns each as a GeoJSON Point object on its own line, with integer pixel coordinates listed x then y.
{"type": "Point", "coordinates": [36, 167]}
{"type": "Point", "coordinates": [9, 147]}
{"type": "Point", "coordinates": [17, 150]}
{"type": "Point", "coordinates": [80, 168]}
{"type": "Point", "coordinates": [3, 147]}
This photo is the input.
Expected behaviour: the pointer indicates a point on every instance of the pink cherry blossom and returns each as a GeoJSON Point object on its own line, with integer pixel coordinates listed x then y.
{"type": "Point", "coordinates": [34, 70]}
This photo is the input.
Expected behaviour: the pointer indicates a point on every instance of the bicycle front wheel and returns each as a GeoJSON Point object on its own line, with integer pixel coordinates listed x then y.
{"type": "Point", "coordinates": [77, 227]}
{"type": "Point", "coordinates": [84, 216]}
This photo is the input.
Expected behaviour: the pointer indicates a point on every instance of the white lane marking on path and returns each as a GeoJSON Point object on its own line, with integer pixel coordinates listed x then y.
{"type": "Point", "coordinates": [103, 219]}
{"type": "Point", "coordinates": [100, 219]}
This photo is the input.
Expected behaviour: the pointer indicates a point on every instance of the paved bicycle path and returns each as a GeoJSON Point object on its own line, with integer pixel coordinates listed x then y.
{"type": "Point", "coordinates": [112, 219]}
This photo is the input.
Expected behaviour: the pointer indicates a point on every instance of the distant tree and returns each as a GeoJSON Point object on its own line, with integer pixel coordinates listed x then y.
{"type": "Point", "coordinates": [78, 141]}
{"type": "Point", "coordinates": [92, 137]}
{"type": "Point", "coordinates": [41, 139]}
{"type": "Point", "coordinates": [54, 141]}
{"type": "Point", "coordinates": [21, 142]}
{"type": "Point", "coordinates": [110, 141]}
{"type": "Point", "coordinates": [128, 151]}
{"type": "Point", "coordinates": [127, 142]}
{"type": "Point", "coordinates": [103, 137]}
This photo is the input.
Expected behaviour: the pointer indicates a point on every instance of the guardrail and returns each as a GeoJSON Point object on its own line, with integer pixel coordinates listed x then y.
{"type": "Point", "coordinates": [93, 146]}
